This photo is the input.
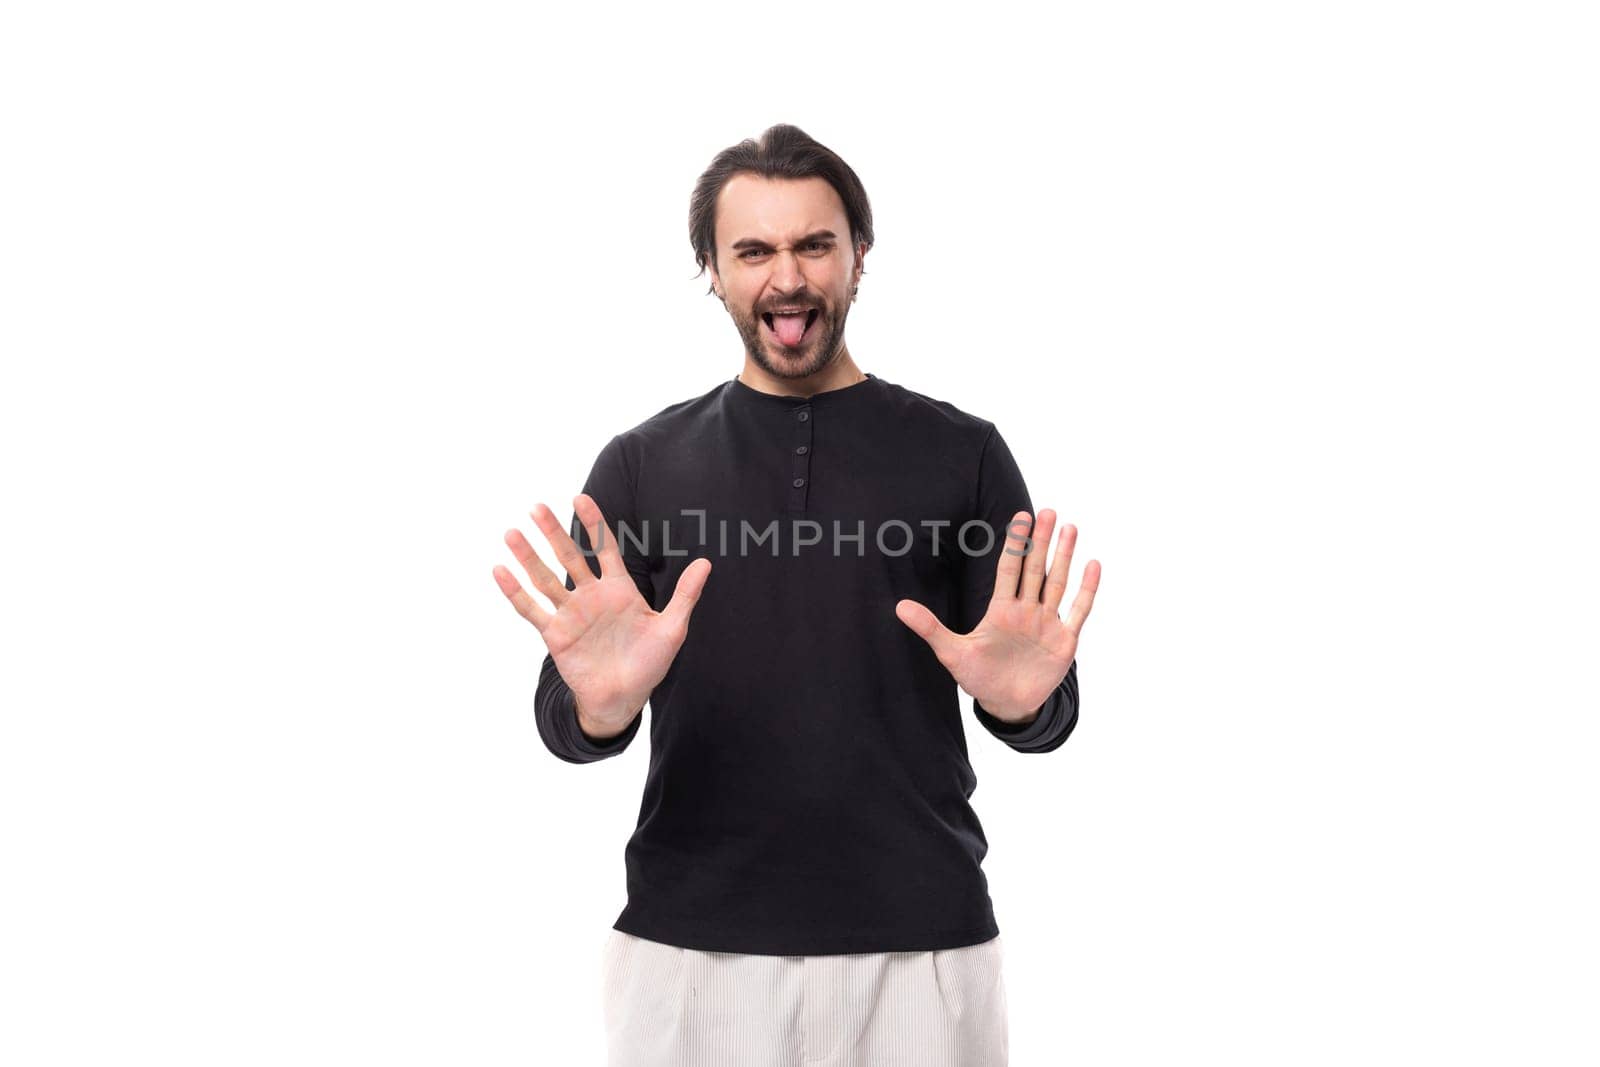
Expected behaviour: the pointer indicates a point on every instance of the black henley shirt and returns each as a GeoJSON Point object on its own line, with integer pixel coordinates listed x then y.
{"type": "Point", "coordinates": [809, 788]}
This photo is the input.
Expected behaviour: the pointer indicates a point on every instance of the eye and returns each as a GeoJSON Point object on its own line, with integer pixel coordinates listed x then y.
{"type": "Point", "coordinates": [823, 245]}
{"type": "Point", "coordinates": [751, 252]}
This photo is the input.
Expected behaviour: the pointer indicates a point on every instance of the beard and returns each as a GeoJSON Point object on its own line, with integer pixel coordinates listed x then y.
{"type": "Point", "coordinates": [812, 356]}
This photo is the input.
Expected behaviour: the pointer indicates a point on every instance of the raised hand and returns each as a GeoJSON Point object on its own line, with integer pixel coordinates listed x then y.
{"type": "Point", "coordinates": [610, 646]}
{"type": "Point", "coordinates": [1021, 649]}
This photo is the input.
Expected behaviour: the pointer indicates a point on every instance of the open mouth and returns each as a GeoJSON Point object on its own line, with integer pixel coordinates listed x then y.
{"type": "Point", "coordinates": [791, 328]}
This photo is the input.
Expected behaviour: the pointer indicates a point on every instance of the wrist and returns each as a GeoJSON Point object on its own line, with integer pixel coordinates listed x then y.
{"type": "Point", "coordinates": [1012, 716]}
{"type": "Point", "coordinates": [604, 725]}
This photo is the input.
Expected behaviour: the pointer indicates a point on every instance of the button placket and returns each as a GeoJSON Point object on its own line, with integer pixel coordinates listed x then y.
{"type": "Point", "coordinates": [800, 460]}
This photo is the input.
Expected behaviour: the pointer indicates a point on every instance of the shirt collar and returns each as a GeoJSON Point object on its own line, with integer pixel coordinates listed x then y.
{"type": "Point", "coordinates": [741, 393]}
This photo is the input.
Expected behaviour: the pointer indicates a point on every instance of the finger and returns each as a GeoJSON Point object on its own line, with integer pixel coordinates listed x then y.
{"type": "Point", "coordinates": [926, 625]}
{"type": "Point", "coordinates": [1085, 598]}
{"type": "Point", "coordinates": [526, 606]}
{"type": "Point", "coordinates": [687, 593]}
{"type": "Point", "coordinates": [1009, 567]}
{"type": "Point", "coordinates": [1055, 586]}
{"type": "Point", "coordinates": [1033, 562]}
{"type": "Point", "coordinates": [600, 537]}
{"type": "Point", "coordinates": [542, 577]}
{"type": "Point", "coordinates": [561, 543]}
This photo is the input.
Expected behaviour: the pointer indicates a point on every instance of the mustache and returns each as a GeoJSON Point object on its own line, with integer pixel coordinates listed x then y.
{"type": "Point", "coordinates": [806, 302]}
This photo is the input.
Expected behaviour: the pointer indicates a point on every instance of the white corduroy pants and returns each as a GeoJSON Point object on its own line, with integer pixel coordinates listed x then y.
{"type": "Point", "coordinates": [667, 1006]}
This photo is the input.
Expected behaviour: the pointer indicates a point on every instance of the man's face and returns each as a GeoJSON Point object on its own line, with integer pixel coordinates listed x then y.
{"type": "Point", "coordinates": [783, 245]}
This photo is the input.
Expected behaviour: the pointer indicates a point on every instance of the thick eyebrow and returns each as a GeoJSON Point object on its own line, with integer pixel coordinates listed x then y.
{"type": "Point", "coordinates": [753, 242]}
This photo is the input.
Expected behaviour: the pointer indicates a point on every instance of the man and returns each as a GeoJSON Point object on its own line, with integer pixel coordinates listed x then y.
{"type": "Point", "coordinates": [795, 569]}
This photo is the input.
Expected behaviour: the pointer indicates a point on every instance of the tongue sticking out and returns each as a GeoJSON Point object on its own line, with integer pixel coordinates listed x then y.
{"type": "Point", "coordinates": [790, 328]}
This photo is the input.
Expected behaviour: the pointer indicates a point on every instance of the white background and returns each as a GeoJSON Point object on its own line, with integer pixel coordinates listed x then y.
{"type": "Point", "coordinates": [1290, 307]}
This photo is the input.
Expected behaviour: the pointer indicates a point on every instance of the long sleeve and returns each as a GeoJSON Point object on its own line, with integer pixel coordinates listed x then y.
{"type": "Point", "coordinates": [1001, 493]}
{"type": "Point", "coordinates": [555, 707]}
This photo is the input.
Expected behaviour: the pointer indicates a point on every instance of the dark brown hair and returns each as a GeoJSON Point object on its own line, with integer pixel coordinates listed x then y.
{"type": "Point", "coordinates": [783, 151]}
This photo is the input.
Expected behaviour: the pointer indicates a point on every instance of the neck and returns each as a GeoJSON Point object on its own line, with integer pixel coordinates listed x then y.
{"type": "Point", "coordinates": [839, 374]}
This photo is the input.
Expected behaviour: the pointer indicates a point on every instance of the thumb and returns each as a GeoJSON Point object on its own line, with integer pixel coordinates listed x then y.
{"type": "Point", "coordinates": [926, 625]}
{"type": "Point", "coordinates": [687, 593]}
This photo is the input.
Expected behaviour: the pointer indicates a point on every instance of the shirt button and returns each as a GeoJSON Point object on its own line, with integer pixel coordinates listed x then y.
{"type": "Point", "coordinates": [802, 450]}
{"type": "Point", "coordinates": [798, 482]}
{"type": "Point", "coordinates": [804, 415]}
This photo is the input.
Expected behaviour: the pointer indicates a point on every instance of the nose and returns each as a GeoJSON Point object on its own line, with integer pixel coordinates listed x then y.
{"type": "Point", "coordinates": [786, 276]}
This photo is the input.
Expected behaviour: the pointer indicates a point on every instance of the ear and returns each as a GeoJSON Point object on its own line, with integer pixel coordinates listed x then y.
{"type": "Point", "coordinates": [716, 281]}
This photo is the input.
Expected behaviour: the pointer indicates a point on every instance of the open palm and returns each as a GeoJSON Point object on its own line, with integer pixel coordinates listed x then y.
{"type": "Point", "coordinates": [1021, 649]}
{"type": "Point", "coordinates": [610, 646]}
